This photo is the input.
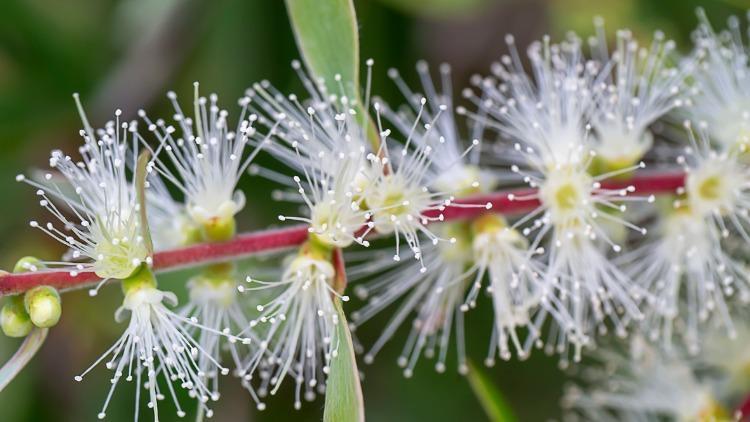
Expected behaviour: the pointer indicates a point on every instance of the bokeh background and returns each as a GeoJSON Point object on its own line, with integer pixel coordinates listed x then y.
{"type": "Point", "coordinates": [126, 54]}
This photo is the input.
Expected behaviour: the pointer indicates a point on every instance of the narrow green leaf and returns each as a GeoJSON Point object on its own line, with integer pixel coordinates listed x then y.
{"type": "Point", "coordinates": [23, 355]}
{"type": "Point", "coordinates": [328, 40]}
{"type": "Point", "coordinates": [438, 8]}
{"type": "Point", "coordinates": [327, 37]}
{"type": "Point", "coordinates": [489, 396]}
{"type": "Point", "coordinates": [140, 189]}
{"type": "Point", "coordinates": [344, 402]}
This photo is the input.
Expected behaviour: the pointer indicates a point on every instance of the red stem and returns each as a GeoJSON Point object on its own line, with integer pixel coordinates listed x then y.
{"type": "Point", "coordinates": [644, 184]}
{"type": "Point", "coordinates": [243, 245]}
{"type": "Point", "coordinates": [744, 410]}
{"type": "Point", "coordinates": [269, 240]}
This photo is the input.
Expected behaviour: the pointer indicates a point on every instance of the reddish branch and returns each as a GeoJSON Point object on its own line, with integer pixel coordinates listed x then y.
{"type": "Point", "coordinates": [644, 184]}
{"type": "Point", "coordinates": [243, 245]}
{"type": "Point", "coordinates": [743, 412]}
{"type": "Point", "coordinates": [270, 240]}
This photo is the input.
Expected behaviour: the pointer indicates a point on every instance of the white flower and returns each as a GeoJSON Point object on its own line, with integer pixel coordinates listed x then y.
{"type": "Point", "coordinates": [399, 202]}
{"type": "Point", "coordinates": [436, 297]}
{"type": "Point", "coordinates": [549, 113]}
{"type": "Point", "coordinates": [730, 356]}
{"type": "Point", "coordinates": [158, 343]}
{"type": "Point", "coordinates": [207, 159]}
{"type": "Point", "coordinates": [690, 269]}
{"type": "Point", "coordinates": [589, 287]}
{"type": "Point", "coordinates": [327, 122]}
{"type": "Point", "coordinates": [326, 138]}
{"type": "Point", "coordinates": [214, 302]}
{"type": "Point", "coordinates": [722, 76]}
{"type": "Point", "coordinates": [638, 85]}
{"type": "Point", "coordinates": [445, 167]}
{"type": "Point", "coordinates": [205, 163]}
{"type": "Point", "coordinates": [297, 328]}
{"type": "Point", "coordinates": [516, 285]}
{"type": "Point", "coordinates": [412, 182]}
{"type": "Point", "coordinates": [323, 140]}
{"type": "Point", "coordinates": [168, 220]}
{"type": "Point", "coordinates": [103, 230]}
{"type": "Point", "coordinates": [421, 175]}
{"type": "Point", "coordinates": [647, 386]}
{"type": "Point", "coordinates": [427, 119]}
{"type": "Point", "coordinates": [547, 118]}
{"type": "Point", "coordinates": [439, 297]}
{"type": "Point", "coordinates": [334, 201]}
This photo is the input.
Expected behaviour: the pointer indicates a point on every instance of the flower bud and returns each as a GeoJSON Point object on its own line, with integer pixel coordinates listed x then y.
{"type": "Point", "coordinates": [27, 264]}
{"type": "Point", "coordinates": [42, 303]}
{"type": "Point", "coordinates": [14, 320]}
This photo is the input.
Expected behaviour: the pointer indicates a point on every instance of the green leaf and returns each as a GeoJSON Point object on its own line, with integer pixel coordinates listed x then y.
{"type": "Point", "coordinates": [489, 396]}
{"type": "Point", "coordinates": [344, 402]}
{"type": "Point", "coordinates": [23, 355]}
{"type": "Point", "coordinates": [438, 8]}
{"type": "Point", "coordinates": [140, 186]}
{"type": "Point", "coordinates": [328, 40]}
{"type": "Point", "coordinates": [327, 37]}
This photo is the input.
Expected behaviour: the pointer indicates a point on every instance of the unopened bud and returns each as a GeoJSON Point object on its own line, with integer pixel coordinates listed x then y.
{"type": "Point", "coordinates": [14, 320]}
{"type": "Point", "coordinates": [43, 306]}
{"type": "Point", "coordinates": [28, 264]}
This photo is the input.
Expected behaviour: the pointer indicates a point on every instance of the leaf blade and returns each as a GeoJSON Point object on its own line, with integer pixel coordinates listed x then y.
{"type": "Point", "coordinates": [31, 344]}
{"type": "Point", "coordinates": [328, 40]}
{"type": "Point", "coordinates": [489, 396]}
{"type": "Point", "coordinates": [140, 186]}
{"type": "Point", "coordinates": [344, 401]}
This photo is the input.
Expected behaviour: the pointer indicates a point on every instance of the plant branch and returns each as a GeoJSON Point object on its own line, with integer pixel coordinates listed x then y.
{"type": "Point", "coordinates": [743, 411]}
{"type": "Point", "coordinates": [645, 183]}
{"type": "Point", "coordinates": [203, 253]}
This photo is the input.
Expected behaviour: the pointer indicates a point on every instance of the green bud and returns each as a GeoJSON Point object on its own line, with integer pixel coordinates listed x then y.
{"type": "Point", "coordinates": [27, 264]}
{"type": "Point", "coordinates": [14, 320]}
{"type": "Point", "coordinates": [141, 277]}
{"type": "Point", "coordinates": [43, 305]}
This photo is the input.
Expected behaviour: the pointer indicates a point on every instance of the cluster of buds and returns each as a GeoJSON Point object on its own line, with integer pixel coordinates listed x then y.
{"type": "Point", "coordinates": [38, 307]}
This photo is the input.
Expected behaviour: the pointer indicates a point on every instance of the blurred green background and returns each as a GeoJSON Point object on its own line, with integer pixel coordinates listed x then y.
{"type": "Point", "coordinates": [127, 54]}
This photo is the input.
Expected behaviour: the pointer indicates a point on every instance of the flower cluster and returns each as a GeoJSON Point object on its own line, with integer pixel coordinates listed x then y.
{"type": "Point", "coordinates": [643, 383]}
{"type": "Point", "coordinates": [566, 132]}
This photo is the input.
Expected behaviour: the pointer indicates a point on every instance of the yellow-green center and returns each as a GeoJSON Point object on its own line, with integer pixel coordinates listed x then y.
{"type": "Point", "coordinates": [710, 188]}
{"type": "Point", "coordinates": [394, 203]}
{"type": "Point", "coordinates": [567, 197]}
